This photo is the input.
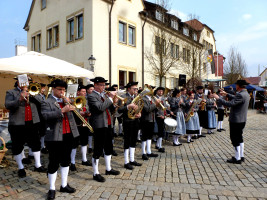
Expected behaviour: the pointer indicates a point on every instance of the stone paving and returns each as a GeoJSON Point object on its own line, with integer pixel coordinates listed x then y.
{"type": "Point", "coordinates": [192, 171]}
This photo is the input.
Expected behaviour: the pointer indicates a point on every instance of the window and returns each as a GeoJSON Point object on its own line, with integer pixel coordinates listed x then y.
{"type": "Point", "coordinates": [49, 39]}
{"type": "Point", "coordinates": [70, 29]}
{"type": "Point", "coordinates": [131, 35]}
{"type": "Point", "coordinates": [177, 52]}
{"type": "Point", "coordinates": [172, 50]}
{"type": "Point", "coordinates": [184, 54]}
{"type": "Point", "coordinates": [38, 42]}
{"type": "Point", "coordinates": [79, 19]}
{"type": "Point", "coordinates": [33, 43]}
{"type": "Point", "coordinates": [157, 44]}
{"type": "Point", "coordinates": [122, 32]}
{"type": "Point", "coordinates": [122, 79]}
{"type": "Point", "coordinates": [195, 36]}
{"type": "Point", "coordinates": [174, 24]}
{"type": "Point", "coordinates": [43, 4]}
{"type": "Point", "coordinates": [186, 31]}
{"type": "Point", "coordinates": [56, 36]}
{"type": "Point", "coordinates": [188, 56]}
{"type": "Point", "coordinates": [131, 76]}
{"type": "Point", "coordinates": [159, 16]}
{"type": "Point", "coordinates": [208, 33]}
{"type": "Point", "coordinates": [172, 83]}
{"type": "Point", "coordinates": [163, 81]}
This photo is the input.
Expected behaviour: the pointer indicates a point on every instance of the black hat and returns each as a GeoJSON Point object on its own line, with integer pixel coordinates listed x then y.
{"type": "Point", "coordinates": [131, 84]}
{"type": "Point", "coordinates": [98, 80]}
{"type": "Point", "coordinates": [152, 87]}
{"type": "Point", "coordinates": [241, 82]}
{"type": "Point", "coordinates": [80, 87]}
{"type": "Point", "coordinates": [107, 83]}
{"type": "Point", "coordinates": [175, 92]}
{"type": "Point", "coordinates": [89, 86]}
{"type": "Point", "coordinates": [199, 87]}
{"type": "Point", "coordinates": [111, 89]}
{"type": "Point", "coordinates": [160, 88]}
{"type": "Point", "coordinates": [114, 85]}
{"type": "Point", "coordinates": [42, 84]}
{"type": "Point", "coordinates": [58, 82]}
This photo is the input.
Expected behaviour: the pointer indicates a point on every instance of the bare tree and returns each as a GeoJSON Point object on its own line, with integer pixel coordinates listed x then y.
{"type": "Point", "coordinates": [235, 67]}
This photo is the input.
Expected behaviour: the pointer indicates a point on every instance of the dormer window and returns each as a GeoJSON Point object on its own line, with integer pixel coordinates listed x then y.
{"type": "Point", "coordinates": [174, 24]}
{"type": "Point", "coordinates": [186, 31]}
{"type": "Point", "coordinates": [159, 16]}
{"type": "Point", "coordinates": [195, 36]}
{"type": "Point", "coordinates": [43, 4]}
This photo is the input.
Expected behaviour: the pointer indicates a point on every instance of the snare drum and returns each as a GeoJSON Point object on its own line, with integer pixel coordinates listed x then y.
{"type": "Point", "coordinates": [170, 125]}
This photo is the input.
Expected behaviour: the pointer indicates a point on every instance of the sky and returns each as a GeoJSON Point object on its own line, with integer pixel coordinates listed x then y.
{"type": "Point", "coordinates": [241, 23]}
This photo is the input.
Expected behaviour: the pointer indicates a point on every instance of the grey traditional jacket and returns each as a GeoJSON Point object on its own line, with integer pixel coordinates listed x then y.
{"type": "Point", "coordinates": [99, 118]}
{"type": "Point", "coordinates": [175, 106]}
{"type": "Point", "coordinates": [53, 116]}
{"type": "Point", "coordinates": [239, 106]}
{"type": "Point", "coordinates": [148, 112]}
{"type": "Point", "coordinates": [17, 108]}
{"type": "Point", "coordinates": [210, 104]}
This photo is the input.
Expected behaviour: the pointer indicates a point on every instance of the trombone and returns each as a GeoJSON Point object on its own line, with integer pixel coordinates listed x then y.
{"type": "Point", "coordinates": [33, 89]}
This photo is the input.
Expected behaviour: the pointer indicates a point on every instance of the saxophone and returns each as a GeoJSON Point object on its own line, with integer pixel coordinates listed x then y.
{"type": "Point", "coordinates": [190, 113]}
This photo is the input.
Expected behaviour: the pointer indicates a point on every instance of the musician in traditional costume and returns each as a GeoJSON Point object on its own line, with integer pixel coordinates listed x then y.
{"type": "Point", "coordinates": [211, 106]}
{"type": "Point", "coordinates": [221, 113]}
{"type": "Point", "coordinates": [117, 116]}
{"type": "Point", "coordinates": [61, 131]}
{"type": "Point", "coordinates": [89, 89]}
{"type": "Point", "coordinates": [23, 124]}
{"type": "Point", "coordinates": [101, 106]}
{"type": "Point", "coordinates": [147, 126]}
{"type": "Point", "coordinates": [177, 105]}
{"type": "Point", "coordinates": [192, 125]}
{"type": "Point", "coordinates": [83, 131]}
{"type": "Point", "coordinates": [202, 113]}
{"type": "Point", "coordinates": [130, 126]}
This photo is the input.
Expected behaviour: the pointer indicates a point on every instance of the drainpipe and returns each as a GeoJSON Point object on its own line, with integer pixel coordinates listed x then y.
{"type": "Point", "coordinates": [109, 43]}
{"type": "Point", "coordinates": [143, 52]}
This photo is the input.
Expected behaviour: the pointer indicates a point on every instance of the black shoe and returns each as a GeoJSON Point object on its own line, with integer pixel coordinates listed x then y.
{"type": "Point", "coordinates": [161, 150]}
{"type": "Point", "coordinates": [202, 136]}
{"type": "Point", "coordinates": [195, 137]}
{"type": "Point", "coordinates": [222, 129]}
{"type": "Point", "coordinates": [99, 178]}
{"type": "Point", "coordinates": [134, 163]}
{"type": "Point", "coordinates": [156, 147]}
{"type": "Point", "coordinates": [152, 155]}
{"type": "Point", "coordinates": [51, 194]}
{"type": "Point", "coordinates": [26, 161]}
{"type": "Point", "coordinates": [176, 144]}
{"type": "Point", "coordinates": [234, 161]}
{"type": "Point", "coordinates": [128, 166]}
{"type": "Point", "coordinates": [112, 172]}
{"type": "Point", "coordinates": [114, 153]}
{"type": "Point", "coordinates": [72, 167]}
{"type": "Point", "coordinates": [90, 150]}
{"type": "Point", "coordinates": [219, 130]}
{"type": "Point", "coordinates": [120, 135]}
{"type": "Point", "coordinates": [67, 189]}
{"type": "Point", "coordinates": [44, 150]}
{"type": "Point", "coordinates": [87, 163]}
{"type": "Point", "coordinates": [145, 157]}
{"type": "Point", "coordinates": [22, 173]}
{"type": "Point", "coordinates": [40, 169]}
{"type": "Point", "coordinates": [139, 141]}
{"type": "Point", "coordinates": [242, 159]}
{"type": "Point", "coordinates": [191, 140]}
{"type": "Point", "coordinates": [31, 157]}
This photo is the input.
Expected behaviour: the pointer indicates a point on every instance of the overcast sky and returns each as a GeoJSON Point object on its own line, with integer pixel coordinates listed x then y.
{"type": "Point", "coordinates": [242, 23]}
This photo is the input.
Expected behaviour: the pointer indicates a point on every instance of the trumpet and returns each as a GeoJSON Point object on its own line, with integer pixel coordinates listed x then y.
{"type": "Point", "coordinates": [79, 102]}
{"type": "Point", "coordinates": [160, 104]}
{"type": "Point", "coordinates": [123, 100]}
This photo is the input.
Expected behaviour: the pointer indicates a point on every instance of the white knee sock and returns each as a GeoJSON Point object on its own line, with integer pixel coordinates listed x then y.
{"type": "Point", "coordinates": [52, 181]}
{"type": "Point", "coordinates": [95, 165]}
{"type": "Point", "coordinates": [84, 152]}
{"type": "Point", "coordinates": [120, 128]}
{"type": "Point", "coordinates": [114, 129]}
{"type": "Point", "coordinates": [132, 151]}
{"type": "Point", "coordinates": [42, 142]}
{"type": "Point", "coordinates": [160, 142]}
{"type": "Point", "coordinates": [139, 135]}
{"type": "Point", "coordinates": [30, 152]}
{"type": "Point", "coordinates": [174, 139]}
{"type": "Point", "coordinates": [64, 176]}
{"type": "Point", "coordinates": [37, 159]}
{"type": "Point", "coordinates": [221, 124]}
{"type": "Point", "coordinates": [237, 152]}
{"type": "Point", "coordinates": [126, 156]}
{"type": "Point", "coordinates": [188, 137]}
{"type": "Point", "coordinates": [200, 130]}
{"type": "Point", "coordinates": [18, 159]}
{"type": "Point", "coordinates": [218, 124]}
{"type": "Point", "coordinates": [177, 139]}
{"type": "Point", "coordinates": [108, 162]}
{"type": "Point", "coordinates": [90, 139]}
{"type": "Point", "coordinates": [23, 154]}
{"type": "Point", "coordinates": [148, 146]}
{"type": "Point", "coordinates": [72, 156]}
{"type": "Point", "coordinates": [242, 149]}
{"type": "Point", "coordinates": [143, 147]}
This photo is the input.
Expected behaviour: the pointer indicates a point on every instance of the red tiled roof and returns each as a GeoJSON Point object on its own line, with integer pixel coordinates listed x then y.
{"type": "Point", "coordinates": [253, 80]}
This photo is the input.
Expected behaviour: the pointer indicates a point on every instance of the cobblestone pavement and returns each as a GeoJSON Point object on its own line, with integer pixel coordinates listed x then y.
{"type": "Point", "coordinates": [192, 171]}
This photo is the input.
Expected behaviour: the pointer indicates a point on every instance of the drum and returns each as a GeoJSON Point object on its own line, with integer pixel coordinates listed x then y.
{"type": "Point", "coordinates": [170, 125]}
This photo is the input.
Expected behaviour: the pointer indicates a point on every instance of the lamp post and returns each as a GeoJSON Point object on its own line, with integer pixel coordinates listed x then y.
{"type": "Point", "coordinates": [92, 62]}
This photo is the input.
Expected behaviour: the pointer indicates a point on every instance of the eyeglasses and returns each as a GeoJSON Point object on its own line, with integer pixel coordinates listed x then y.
{"type": "Point", "coordinates": [135, 88]}
{"type": "Point", "coordinates": [101, 84]}
{"type": "Point", "coordinates": [60, 89]}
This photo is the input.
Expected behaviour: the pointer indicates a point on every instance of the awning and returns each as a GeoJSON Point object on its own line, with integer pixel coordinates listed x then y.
{"type": "Point", "coordinates": [213, 80]}
{"type": "Point", "coordinates": [248, 87]}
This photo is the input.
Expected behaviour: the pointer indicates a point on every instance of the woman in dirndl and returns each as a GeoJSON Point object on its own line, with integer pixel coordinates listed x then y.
{"type": "Point", "coordinates": [177, 104]}
{"type": "Point", "coordinates": [192, 126]}
{"type": "Point", "coordinates": [210, 106]}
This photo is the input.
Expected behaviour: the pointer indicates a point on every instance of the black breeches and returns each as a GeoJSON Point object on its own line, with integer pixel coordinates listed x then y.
{"type": "Point", "coordinates": [236, 133]}
{"type": "Point", "coordinates": [22, 134]}
{"type": "Point", "coordinates": [160, 123]}
{"type": "Point", "coordinates": [147, 130]}
{"type": "Point", "coordinates": [83, 138]}
{"type": "Point", "coordinates": [220, 114]}
{"type": "Point", "coordinates": [102, 141]}
{"type": "Point", "coordinates": [59, 152]}
{"type": "Point", "coordinates": [130, 133]}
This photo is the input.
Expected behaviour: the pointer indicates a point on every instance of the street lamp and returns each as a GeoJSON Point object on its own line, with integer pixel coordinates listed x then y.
{"type": "Point", "coordinates": [92, 62]}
